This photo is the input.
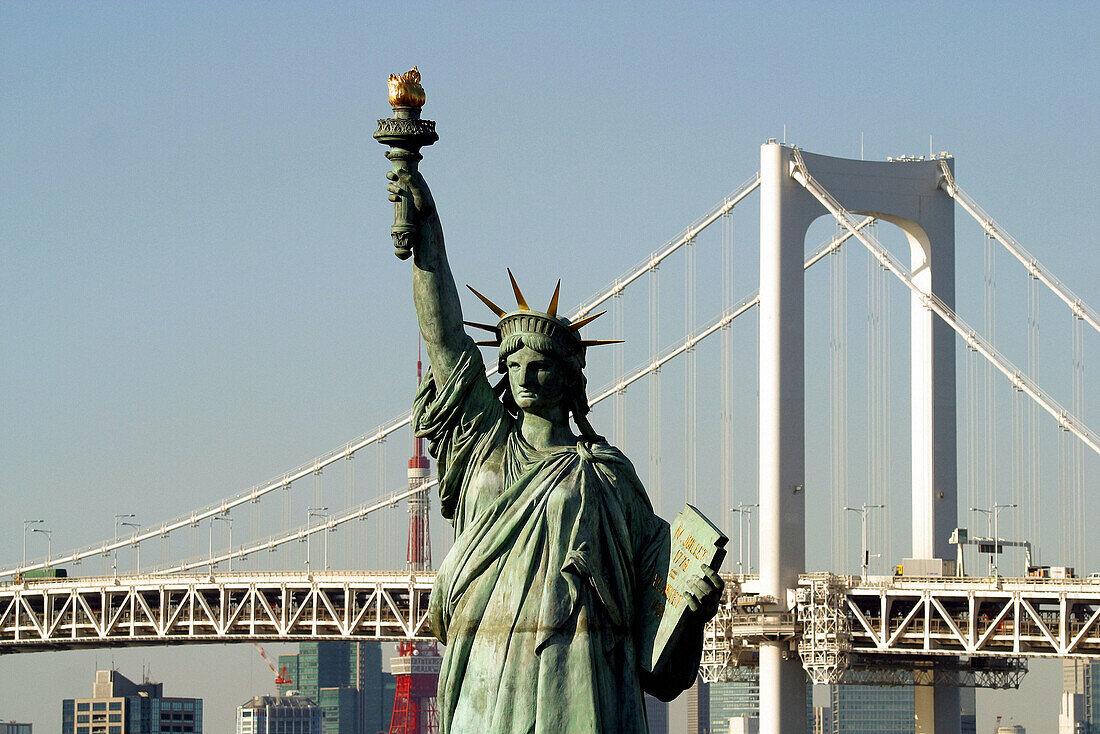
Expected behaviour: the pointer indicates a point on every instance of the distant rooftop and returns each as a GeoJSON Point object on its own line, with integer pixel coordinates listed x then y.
{"type": "Point", "coordinates": [259, 702]}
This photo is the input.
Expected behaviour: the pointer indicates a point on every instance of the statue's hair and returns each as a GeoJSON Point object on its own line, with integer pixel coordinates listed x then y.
{"type": "Point", "coordinates": [571, 361]}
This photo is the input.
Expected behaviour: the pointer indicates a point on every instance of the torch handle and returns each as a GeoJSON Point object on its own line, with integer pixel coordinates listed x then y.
{"type": "Point", "coordinates": [405, 230]}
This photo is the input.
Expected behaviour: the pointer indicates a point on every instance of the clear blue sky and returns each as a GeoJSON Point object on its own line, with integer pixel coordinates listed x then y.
{"type": "Point", "coordinates": [196, 285]}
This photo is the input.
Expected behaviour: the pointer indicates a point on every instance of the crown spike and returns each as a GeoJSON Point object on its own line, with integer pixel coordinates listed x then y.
{"type": "Point", "coordinates": [576, 325]}
{"type": "Point", "coordinates": [520, 301]}
{"type": "Point", "coordinates": [495, 343]}
{"type": "Point", "coordinates": [600, 342]}
{"type": "Point", "coordinates": [552, 309]}
{"type": "Point", "coordinates": [492, 306]}
{"type": "Point", "coordinates": [484, 327]}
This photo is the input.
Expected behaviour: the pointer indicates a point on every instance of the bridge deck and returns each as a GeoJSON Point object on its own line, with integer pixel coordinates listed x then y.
{"type": "Point", "coordinates": [42, 614]}
{"type": "Point", "coordinates": [838, 619]}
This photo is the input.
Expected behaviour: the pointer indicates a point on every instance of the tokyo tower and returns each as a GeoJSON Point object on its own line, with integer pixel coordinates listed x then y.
{"type": "Point", "coordinates": [417, 664]}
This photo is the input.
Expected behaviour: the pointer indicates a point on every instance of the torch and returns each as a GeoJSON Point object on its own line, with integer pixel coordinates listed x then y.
{"type": "Point", "coordinates": [406, 134]}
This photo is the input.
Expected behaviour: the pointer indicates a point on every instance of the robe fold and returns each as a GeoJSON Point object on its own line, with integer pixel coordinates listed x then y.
{"type": "Point", "coordinates": [537, 600]}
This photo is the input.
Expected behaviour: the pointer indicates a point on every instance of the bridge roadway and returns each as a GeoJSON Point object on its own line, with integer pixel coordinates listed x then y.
{"type": "Point", "coordinates": [840, 625]}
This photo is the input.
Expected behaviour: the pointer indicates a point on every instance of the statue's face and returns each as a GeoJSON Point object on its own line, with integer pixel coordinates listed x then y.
{"type": "Point", "coordinates": [538, 382]}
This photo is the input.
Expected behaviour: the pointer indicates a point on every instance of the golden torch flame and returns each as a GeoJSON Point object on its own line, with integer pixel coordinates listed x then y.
{"type": "Point", "coordinates": [405, 90]}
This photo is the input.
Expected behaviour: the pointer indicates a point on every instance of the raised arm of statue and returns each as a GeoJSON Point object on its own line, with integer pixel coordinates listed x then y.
{"type": "Point", "coordinates": [434, 293]}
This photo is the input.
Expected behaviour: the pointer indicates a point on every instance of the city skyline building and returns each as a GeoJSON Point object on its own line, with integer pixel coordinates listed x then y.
{"type": "Point", "coordinates": [656, 713]}
{"type": "Point", "coordinates": [346, 680]}
{"type": "Point", "coordinates": [287, 714]}
{"type": "Point", "coordinates": [968, 711]}
{"type": "Point", "coordinates": [1071, 714]}
{"type": "Point", "coordinates": [732, 699]}
{"type": "Point", "coordinates": [15, 727]}
{"type": "Point", "coordinates": [120, 706]}
{"type": "Point", "coordinates": [698, 707]}
{"type": "Point", "coordinates": [872, 709]}
{"type": "Point", "coordinates": [1080, 678]}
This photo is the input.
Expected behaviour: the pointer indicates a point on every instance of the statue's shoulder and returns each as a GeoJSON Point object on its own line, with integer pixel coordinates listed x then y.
{"type": "Point", "coordinates": [611, 459]}
{"type": "Point", "coordinates": [601, 451]}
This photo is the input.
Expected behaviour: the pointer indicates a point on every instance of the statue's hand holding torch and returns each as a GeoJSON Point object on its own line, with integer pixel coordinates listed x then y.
{"type": "Point", "coordinates": [406, 133]}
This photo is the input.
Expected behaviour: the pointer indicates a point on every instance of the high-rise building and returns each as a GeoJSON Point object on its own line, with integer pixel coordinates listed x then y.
{"type": "Point", "coordinates": [968, 711]}
{"type": "Point", "coordinates": [280, 715]}
{"type": "Point", "coordinates": [1083, 678]}
{"type": "Point", "coordinates": [741, 725]}
{"type": "Point", "coordinates": [698, 708]}
{"type": "Point", "coordinates": [740, 700]}
{"type": "Point", "coordinates": [346, 679]}
{"type": "Point", "coordinates": [656, 713]}
{"type": "Point", "coordinates": [14, 727]}
{"type": "Point", "coordinates": [1071, 714]}
{"type": "Point", "coordinates": [120, 706]}
{"type": "Point", "coordinates": [873, 709]}
{"type": "Point", "coordinates": [732, 700]}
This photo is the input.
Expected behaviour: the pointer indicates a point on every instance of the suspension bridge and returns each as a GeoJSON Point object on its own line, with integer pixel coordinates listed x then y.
{"type": "Point", "coordinates": [927, 623]}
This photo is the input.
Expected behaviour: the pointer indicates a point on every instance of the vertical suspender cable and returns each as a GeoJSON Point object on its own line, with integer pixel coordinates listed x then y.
{"type": "Point", "coordinates": [655, 388]}
{"type": "Point", "coordinates": [972, 438]}
{"type": "Point", "coordinates": [990, 432]}
{"type": "Point", "coordinates": [1077, 401]}
{"type": "Point", "coordinates": [1067, 549]}
{"type": "Point", "coordinates": [620, 396]}
{"type": "Point", "coordinates": [691, 486]}
{"type": "Point", "coordinates": [1034, 438]}
{"type": "Point", "coordinates": [386, 536]}
{"type": "Point", "coordinates": [352, 537]}
{"type": "Point", "coordinates": [1019, 461]}
{"type": "Point", "coordinates": [286, 515]}
{"type": "Point", "coordinates": [727, 372]}
{"type": "Point", "coordinates": [838, 364]}
{"type": "Point", "coordinates": [886, 463]}
{"type": "Point", "coordinates": [874, 437]}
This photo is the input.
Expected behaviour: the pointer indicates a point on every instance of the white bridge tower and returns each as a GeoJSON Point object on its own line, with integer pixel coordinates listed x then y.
{"type": "Point", "coordinates": [906, 194]}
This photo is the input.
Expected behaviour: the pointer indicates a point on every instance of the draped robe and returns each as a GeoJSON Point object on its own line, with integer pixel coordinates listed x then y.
{"type": "Point", "coordinates": [537, 601]}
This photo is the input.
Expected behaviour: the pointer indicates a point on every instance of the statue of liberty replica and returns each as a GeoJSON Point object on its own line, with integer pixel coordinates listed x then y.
{"type": "Point", "coordinates": [545, 602]}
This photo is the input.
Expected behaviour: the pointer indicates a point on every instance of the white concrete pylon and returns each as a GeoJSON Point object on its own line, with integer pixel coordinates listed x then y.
{"type": "Point", "coordinates": [908, 195]}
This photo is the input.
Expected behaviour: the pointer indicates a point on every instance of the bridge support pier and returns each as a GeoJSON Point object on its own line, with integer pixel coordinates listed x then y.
{"type": "Point", "coordinates": [937, 710]}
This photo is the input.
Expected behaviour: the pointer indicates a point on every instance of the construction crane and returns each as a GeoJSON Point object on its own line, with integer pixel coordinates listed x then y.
{"type": "Point", "coordinates": [280, 674]}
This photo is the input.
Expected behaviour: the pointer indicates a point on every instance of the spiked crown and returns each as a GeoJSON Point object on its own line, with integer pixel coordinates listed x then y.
{"type": "Point", "coordinates": [527, 321]}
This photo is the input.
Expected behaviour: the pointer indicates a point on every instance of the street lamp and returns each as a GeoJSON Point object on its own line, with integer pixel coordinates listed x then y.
{"type": "Point", "coordinates": [49, 542]}
{"type": "Point", "coordinates": [743, 511]}
{"type": "Point", "coordinates": [993, 513]}
{"type": "Point", "coordinates": [114, 552]}
{"type": "Point", "coordinates": [27, 523]}
{"type": "Point", "coordinates": [228, 520]}
{"type": "Point", "coordinates": [136, 526]}
{"type": "Point", "coordinates": [865, 555]}
{"type": "Point", "coordinates": [312, 512]}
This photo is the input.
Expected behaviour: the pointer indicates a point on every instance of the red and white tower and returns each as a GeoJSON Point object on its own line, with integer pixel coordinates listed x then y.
{"type": "Point", "coordinates": [416, 666]}
{"type": "Point", "coordinates": [419, 556]}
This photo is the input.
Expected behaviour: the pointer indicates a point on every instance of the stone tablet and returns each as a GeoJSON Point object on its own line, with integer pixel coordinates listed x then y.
{"type": "Point", "coordinates": [692, 541]}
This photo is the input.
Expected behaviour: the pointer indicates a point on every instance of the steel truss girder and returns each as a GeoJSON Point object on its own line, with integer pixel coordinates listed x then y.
{"type": "Point", "coordinates": [152, 610]}
{"type": "Point", "coordinates": [917, 631]}
{"type": "Point", "coordinates": [998, 673]}
{"type": "Point", "coordinates": [975, 617]}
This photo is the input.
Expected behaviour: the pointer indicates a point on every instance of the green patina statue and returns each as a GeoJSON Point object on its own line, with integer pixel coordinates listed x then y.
{"type": "Point", "coordinates": [541, 602]}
